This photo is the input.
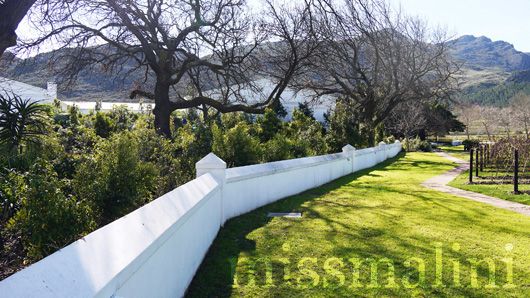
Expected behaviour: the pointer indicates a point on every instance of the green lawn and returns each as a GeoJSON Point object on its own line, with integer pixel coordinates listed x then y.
{"type": "Point", "coordinates": [456, 151]}
{"type": "Point", "coordinates": [503, 191]}
{"type": "Point", "coordinates": [356, 227]}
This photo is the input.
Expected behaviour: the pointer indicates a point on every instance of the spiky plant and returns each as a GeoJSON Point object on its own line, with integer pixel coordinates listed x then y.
{"type": "Point", "coordinates": [22, 122]}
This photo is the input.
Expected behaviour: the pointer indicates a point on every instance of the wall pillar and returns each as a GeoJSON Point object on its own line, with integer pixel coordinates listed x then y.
{"type": "Point", "coordinates": [216, 167]}
{"type": "Point", "coordinates": [349, 152]}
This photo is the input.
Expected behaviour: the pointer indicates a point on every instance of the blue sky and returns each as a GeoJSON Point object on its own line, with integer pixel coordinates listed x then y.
{"type": "Point", "coordinates": [507, 20]}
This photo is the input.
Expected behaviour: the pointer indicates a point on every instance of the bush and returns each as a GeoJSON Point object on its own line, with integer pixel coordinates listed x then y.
{"type": "Point", "coordinates": [416, 144]}
{"type": "Point", "coordinates": [48, 219]}
{"type": "Point", "coordinates": [279, 148]}
{"type": "Point", "coordinates": [236, 146]}
{"type": "Point", "coordinates": [306, 134]}
{"type": "Point", "coordinates": [470, 144]}
{"type": "Point", "coordinates": [115, 181]}
{"type": "Point", "coordinates": [103, 125]}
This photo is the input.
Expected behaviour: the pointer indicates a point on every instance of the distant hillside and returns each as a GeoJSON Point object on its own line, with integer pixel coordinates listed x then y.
{"type": "Point", "coordinates": [482, 53]}
{"type": "Point", "coordinates": [493, 71]}
{"type": "Point", "coordinates": [91, 84]}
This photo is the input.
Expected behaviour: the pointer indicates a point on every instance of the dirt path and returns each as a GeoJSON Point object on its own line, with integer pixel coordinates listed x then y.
{"type": "Point", "coordinates": [440, 183]}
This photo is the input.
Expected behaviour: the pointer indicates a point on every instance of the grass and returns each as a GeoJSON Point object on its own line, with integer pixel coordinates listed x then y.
{"type": "Point", "coordinates": [456, 151]}
{"type": "Point", "coordinates": [381, 214]}
{"type": "Point", "coordinates": [502, 191]}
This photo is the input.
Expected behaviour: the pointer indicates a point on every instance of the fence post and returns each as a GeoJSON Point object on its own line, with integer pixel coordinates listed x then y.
{"type": "Point", "coordinates": [470, 165]}
{"type": "Point", "coordinates": [516, 171]}
{"type": "Point", "coordinates": [349, 152]}
{"type": "Point", "coordinates": [481, 158]}
{"type": "Point", "coordinates": [476, 162]}
{"type": "Point", "coordinates": [217, 168]}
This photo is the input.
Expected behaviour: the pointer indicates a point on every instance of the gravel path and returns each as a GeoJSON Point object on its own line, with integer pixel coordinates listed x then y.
{"type": "Point", "coordinates": [440, 183]}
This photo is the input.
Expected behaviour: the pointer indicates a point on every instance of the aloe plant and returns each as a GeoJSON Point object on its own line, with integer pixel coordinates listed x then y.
{"type": "Point", "coordinates": [21, 121]}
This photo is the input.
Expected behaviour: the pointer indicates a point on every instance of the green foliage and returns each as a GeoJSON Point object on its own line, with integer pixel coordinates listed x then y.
{"type": "Point", "coordinates": [21, 122]}
{"type": "Point", "coordinates": [236, 145]}
{"type": "Point", "coordinates": [278, 148]}
{"type": "Point", "coordinates": [306, 109]}
{"type": "Point", "coordinates": [193, 142]}
{"type": "Point", "coordinates": [496, 95]}
{"type": "Point", "coordinates": [74, 116]}
{"type": "Point", "coordinates": [122, 118]}
{"type": "Point", "coordinates": [416, 144]}
{"type": "Point", "coordinates": [12, 189]}
{"type": "Point", "coordinates": [306, 135]}
{"type": "Point", "coordinates": [269, 125]}
{"type": "Point", "coordinates": [470, 144]}
{"type": "Point", "coordinates": [48, 219]}
{"type": "Point", "coordinates": [343, 127]}
{"type": "Point", "coordinates": [115, 181]}
{"type": "Point", "coordinates": [103, 125]}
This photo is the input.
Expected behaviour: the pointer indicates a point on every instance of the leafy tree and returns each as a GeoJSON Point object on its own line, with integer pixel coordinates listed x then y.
{"type": "Point", "coordinates": [343, 127]}
{"type": "Point", "coordinates": [21, 121]}
{"type": "Point", "coordinates": [269, 125]}
{"type": "Point", "coordinates": [306, 109]}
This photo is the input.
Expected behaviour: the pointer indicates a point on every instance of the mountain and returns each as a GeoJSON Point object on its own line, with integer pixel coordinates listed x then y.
{"type": "Point", "coordinates": [480, 53]}
{"type": "Point", "coordinates": [492, 72]}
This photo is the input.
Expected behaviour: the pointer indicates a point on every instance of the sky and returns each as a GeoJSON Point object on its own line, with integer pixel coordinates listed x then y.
{"type": "Point", "coordinates": [507, 20]}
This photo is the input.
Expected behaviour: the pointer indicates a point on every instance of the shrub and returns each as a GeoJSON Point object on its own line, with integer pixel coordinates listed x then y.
{"type": "Point", "coordinates": [115, 181]}
{"type": "Point", "coordinates": [236, 146]}
{"type": "Point", "coordinates": [279, 148]}
{"type": "Point", "coordinates": [193, 141]}
{"type": "Point", "coordinates": [470, 144]}
{"type": "Point", "coordinates": [269, 125]}
{"type": "Point", "coordinates": [306, 134]}
{"type": "Point", "coordinates": [416, 144]}
{"type": "Point", "coordinates": [48, 219]}
{"type": "Point", "coordinates": [12, 189]}
{"type": "Point", "coordinates": [103, 125]}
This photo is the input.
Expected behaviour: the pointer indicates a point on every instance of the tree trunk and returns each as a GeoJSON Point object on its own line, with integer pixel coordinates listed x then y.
{"type": "Point", "coordinates": [163, 109]}
{"type": "Point", "coordinates": [11, 14]}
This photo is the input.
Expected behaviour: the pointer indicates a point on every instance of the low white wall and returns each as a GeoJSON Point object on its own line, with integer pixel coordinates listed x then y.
{"type": "Point", "coordinates": [156, 250]}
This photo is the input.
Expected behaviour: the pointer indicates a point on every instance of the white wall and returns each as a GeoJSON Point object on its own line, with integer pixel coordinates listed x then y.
{"type": "Point", "coordinates": [156, 250]}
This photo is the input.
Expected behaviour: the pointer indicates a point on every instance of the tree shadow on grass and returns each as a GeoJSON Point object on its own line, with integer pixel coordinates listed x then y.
{"type": "Point", "coordinates": [215, 276]}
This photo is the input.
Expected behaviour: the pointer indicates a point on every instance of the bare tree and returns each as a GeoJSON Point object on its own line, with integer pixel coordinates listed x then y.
{"type": "Point", "coordinates": [407, 119]}
{"type": "Point", "coordinates": [377, 58]}
{"type": "Point", "coordinates": [467, 115]}
{"type": "Point", "coordinates": [488, 118]}
{"type": "Point", "coordinates": [195, 53]}
{"type": "Point", "coordinates": [520, 109]}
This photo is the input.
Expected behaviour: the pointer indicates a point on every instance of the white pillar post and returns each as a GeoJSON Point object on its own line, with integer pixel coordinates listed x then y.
{"type": "Point", "coordinates": [215, 166]}
{"type": "Point", "coordinates": [349, 151]}
{"type": "Point", "coordinates": [382, 147]}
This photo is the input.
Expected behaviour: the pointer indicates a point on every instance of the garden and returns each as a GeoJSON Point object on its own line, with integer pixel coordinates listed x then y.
{"type": "Point", "coordinates": [63, 175]}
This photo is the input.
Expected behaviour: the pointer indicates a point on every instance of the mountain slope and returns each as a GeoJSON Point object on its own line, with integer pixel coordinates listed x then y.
{"type": "Point", "coordinates": [493, 71]}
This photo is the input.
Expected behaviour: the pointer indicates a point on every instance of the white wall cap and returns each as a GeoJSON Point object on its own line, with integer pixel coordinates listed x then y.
{"type": "Point", "coordinates": [211, 161]}
{"type": "Point", "coordinates": [397, 142]}
{"type": "Point", "coordinates": [382, 143]}
{"type": "Point", "coordinates": [348, 148]}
